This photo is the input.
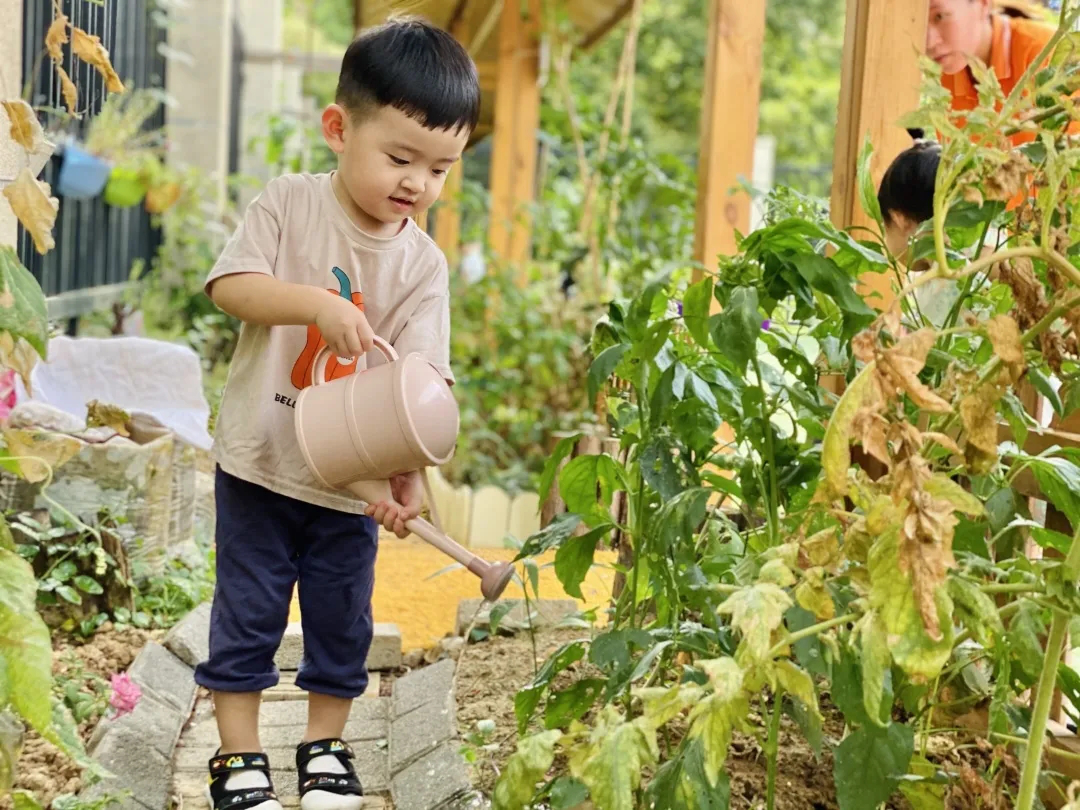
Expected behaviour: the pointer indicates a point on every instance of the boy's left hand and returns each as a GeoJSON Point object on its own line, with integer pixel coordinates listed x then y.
{"type": "Point", "coordinates": [408, 492]}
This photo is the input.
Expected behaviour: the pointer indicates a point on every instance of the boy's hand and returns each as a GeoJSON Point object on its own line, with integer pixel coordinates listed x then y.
{"type": "Point", "coordinates": [344, 327]}
{"type": "Point", "coordinates": [408, 492]}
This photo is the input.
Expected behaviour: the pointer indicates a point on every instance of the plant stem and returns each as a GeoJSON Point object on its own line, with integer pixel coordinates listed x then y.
{"type": "Point", "coordinates": [1011, 587]}
{"type": "Point", "coordinates": [1063, 753]}
{"type": "Point", "coordinates": [773, 749]}
{"type": "Point", "coordinates": [813, 630]}
{"type": "Point", "coordinates": [1044, 696]}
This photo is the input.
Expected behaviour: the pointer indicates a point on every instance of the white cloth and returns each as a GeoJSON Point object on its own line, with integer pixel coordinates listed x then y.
{"type": "Point", "coordinates": [143, 376]}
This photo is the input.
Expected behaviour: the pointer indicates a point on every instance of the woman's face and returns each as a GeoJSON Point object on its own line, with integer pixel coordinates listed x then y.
{"type": "Point", "coordinates": [956, 31]}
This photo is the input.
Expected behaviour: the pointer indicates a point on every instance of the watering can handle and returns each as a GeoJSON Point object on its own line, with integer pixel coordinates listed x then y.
{"type": "Point", "coordinates": [318, 368]}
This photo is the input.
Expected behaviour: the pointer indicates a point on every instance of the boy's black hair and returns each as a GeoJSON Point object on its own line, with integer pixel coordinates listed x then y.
{"type": "Point", "coordinates": [411, 65]}
{"type": "Point", "coordinates": [907, 188]}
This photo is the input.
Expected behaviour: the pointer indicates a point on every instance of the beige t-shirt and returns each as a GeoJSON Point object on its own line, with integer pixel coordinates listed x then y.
{"type": "Point", "coordinates": [297, 231]}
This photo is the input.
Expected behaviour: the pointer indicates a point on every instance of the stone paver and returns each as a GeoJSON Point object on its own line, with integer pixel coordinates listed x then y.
{"type": "Point", "coordinates": [544, 613]}
{"type": "Point", "coordinates": [423, 686]}
{"type": "Point", "coordinates": [189, 640]}
{"type": "Point", "coordinates": [159, 671]}
{"type": "Point", "coordinates": [422, 730]}
{"type": "Point", "coordinates": [135, 767]}
{"type": "Point", "coordinates": [385, 652]}
{"type": "Point", "coordinates": [433, 781]}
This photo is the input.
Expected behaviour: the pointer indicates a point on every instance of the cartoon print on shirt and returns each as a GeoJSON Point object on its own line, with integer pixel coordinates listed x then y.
{"type": "Point", "coordinates": [301, 371]}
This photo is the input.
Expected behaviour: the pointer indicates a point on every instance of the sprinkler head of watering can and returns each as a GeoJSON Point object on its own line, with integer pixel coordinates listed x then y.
{"type": "Point", "coordinates": [494, 581]}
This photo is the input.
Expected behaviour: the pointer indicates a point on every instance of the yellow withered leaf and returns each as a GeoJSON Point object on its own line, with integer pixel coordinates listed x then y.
{"type": "Point", "coordinates": [89, 48]}
{"type": "Point", "coordinates": [31, 201]}
{"type": "Point", "coordinates": [56, 37]}
{"type": "Point", "coordinates": [25, 128]}
{"type": "Point", "coordinates": [70, 91]}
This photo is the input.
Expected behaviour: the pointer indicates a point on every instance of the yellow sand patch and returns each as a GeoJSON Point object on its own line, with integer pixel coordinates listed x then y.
{"type": "Point", "coordinates": [425, 609]}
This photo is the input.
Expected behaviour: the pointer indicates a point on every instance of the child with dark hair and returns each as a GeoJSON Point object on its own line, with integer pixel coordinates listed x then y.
{"type": "Point", "coordinates": [906, 193]}
{"type": "Point", "coordinates": [324, 260]}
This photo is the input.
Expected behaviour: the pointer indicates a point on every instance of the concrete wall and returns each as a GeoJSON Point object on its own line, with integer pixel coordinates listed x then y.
{"type": "Point", "coordinates": [200, 82]}
{"type": "Point", "coordinates": [261, 22]}
{"type": "Point", "coordinates": [11, 159]}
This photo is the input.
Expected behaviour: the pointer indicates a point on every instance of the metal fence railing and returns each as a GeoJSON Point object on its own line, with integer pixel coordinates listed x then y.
{"type": "Point", "coordinates": [96, 245]}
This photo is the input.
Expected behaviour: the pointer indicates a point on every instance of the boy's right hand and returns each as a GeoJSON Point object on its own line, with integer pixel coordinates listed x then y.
{"type": "Point", "coordinates": [344, 327]}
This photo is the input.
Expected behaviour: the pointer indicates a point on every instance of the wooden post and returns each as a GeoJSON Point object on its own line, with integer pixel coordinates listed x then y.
{"type": "Point", "coordinates": [448, 216]}
{"type": "Point", "coordinates": [729, 122]}
{"type": "Point", "coordinates": [878, 85]}
{"type": "Point", "coordinates": [517, 117]}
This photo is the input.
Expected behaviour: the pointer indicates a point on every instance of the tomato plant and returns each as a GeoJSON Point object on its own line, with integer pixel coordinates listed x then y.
{"type": "Point", "coordinates": [824, 497]}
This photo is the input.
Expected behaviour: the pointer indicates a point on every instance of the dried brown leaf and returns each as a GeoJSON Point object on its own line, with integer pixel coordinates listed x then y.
{"type": "Point", "coordinates": [945, 441]}
{"type": "Point", "coordinates": [17, 354]}
{"type": "Point", "coordinates": [901, 365]}
{"type": "Point", "coordinates": [979, 415]}
{"type": "Point", "coordinates": [89, 48]}
{"type": "Point", "coordinates": [56, 37]}
{"type": "Point", "coordinates": [38, 453]}
{"type": "Point", "coordinates": [864, 345]}
{"type": "Point", "coordinates": [926, 553]}
{"type": "Point", "coordinates": [25, 128]}
{"type": "Point", "coordinates": [869, 428]}
{"type": "Point", "coordinates": [102, 414]}
{"type": "Point", "coordinates": [1005, 337]}
{"type": "Point", "coordinates": [163, 197]}
{"type": "Point", "coordinates": [31, 201]}
{"type": "Point", "coordinates": [1009, 178]}
{"type": "Point", "coordinates": [70, 91]}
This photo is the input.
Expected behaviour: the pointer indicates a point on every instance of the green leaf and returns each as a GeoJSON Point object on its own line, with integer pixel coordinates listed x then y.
{"type": "Point", "coordinates": [603, 367]}
{"type": "Point", "coordinates": [26, 657]}
{"type": "Point", "coordinates": [7, 542]}
{"type": "Point", "coordinates": [613, 765]}
{"type": "Point", "coordinates": [823, 274]}
{"type": "Point", "coordinates": [88, 584]}
{"type": "Point", "coordinates": [658, 466]}
{"type": "Point", "coordinates": [18, 587]}
{"type": "Point", "coordinates": [551, 469]}
{"type": "Point", "coordinates": [1048, 538]}
{"type": "Point", "coordinates": [526, 701]}
{"type": "Point", "coordinates": [836, 449]}
{"type": "Point", "coordinates": [64, 734]}
{"type": "Point", "coordinates": [797, 683]}
{"type": "Point", "coordinates": [756, 612]}
{"type": "Point", "coordinates": [611, 650]}
{"type": "Point", "coordinates": [567, 793]}
{"type": "Point", "coordinates": [574, 559]}
{"type": "Point", "coordinates": [1059, 480]}
{"type": "Point", "coordinates": [528, 764]}
{"type": "Point", "coordinates": [976, 611]}
{"type": "Point", "coordinates": [1013, 410]}
{"type": "Point", "coordinates": [23, 312]}
{"type": "Point", "coordinates": [929, 792]}
{"type": "Point", "coordinates": [571, 704]}
{"type": "Point", "coordinates": [867, 188]}
{"type": "Point", "coordinates": [1043, 386]}
{"type": "Point", "coordinates": [24, 800]}
{"type": "Point", "coordinates": [696, 305]}
{"type": "Point", "coordinates": [69, 594]}
{"type": "Point", "coordinates": [942, 487]}
{"type": "Point", "coordinates": [662, 705]}
{"type": "Point", "coordinates": [682, 784]}
{"type": "Point", "coordinates": [552, 535]}
{"type": "Point", "coordinates": [876, 661]}
{"type": "Point", "coordinates": [846, 688]}
{"type": "Point", "coordinates": [714, 719]}
{"type": "Point", "coordinates": [892, 595]}
{"type": "Point", "coordinates": [869, 763]}
{"type": "Point", "coordinates": [11, 735]}
{"type": "Point", "coordinates": [580, 480]}
{"type": "Point", "coordinates": [1025, 630]}
{"type": "Point", "coordinates": [735, 329]}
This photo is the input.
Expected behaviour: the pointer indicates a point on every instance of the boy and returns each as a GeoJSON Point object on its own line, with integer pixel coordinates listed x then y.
{"type": "Point", "coordinates": [333, 259]}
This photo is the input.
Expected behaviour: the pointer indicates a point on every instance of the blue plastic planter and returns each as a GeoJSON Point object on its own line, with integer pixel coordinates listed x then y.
{"type": "Point", "coordinates": [82, 175]}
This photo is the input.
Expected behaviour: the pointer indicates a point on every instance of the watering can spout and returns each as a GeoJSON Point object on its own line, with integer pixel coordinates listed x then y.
{"type": "Point", "coordinates": [376, 490]}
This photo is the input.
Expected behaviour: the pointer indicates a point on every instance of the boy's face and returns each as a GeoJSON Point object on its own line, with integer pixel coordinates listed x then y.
{"type": "Point", "coordinates": [954, 32]}
{"type": "Point", "coordinates": [391, 166]}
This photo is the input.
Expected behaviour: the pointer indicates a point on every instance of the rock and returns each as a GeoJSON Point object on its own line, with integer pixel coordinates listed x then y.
{"type": "Point", "coordinates": [545, 613]}
{"type": "Point", "coordinates": [452, 646]}
{"type": "Point", "coordinates": [158, 671]}
{"type": "Point", "coordinates": [433, 781]}
{"type": "Point", "coordinates": [413, 659]}
{"type": "Point", "coordinates": [190, 639]}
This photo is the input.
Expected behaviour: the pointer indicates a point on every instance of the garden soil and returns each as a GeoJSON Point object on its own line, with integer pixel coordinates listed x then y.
{"type": "Point", "coordinates": [491, 672]}
{"type": "Point", "coordinates": [42, 769]}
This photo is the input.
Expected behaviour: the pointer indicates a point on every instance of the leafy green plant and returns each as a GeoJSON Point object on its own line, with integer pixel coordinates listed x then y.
{"type": "Point", "coordinates": [856, 528]}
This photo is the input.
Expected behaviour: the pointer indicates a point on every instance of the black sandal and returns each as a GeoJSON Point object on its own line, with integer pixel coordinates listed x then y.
{"type": "Point", "coordinates": [339, 784]}
{"type": "Point", "coordinates": [225, 765]}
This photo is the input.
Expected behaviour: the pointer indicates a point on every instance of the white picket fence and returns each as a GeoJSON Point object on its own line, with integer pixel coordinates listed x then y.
{"type": "Point", "coordinates": [486, 517]}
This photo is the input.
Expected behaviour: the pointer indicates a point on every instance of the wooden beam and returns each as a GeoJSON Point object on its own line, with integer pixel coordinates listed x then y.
{"type": "Point", "coordinates": [448, 217]}
{"type": "Point", "coordinates": [729, 122]}
{"type": "Point", "coordinates": [877, 86]}
{"type": "Point", "coordinates": [517, 118]}
{"type": "Point", "coordinates": [604, 28]}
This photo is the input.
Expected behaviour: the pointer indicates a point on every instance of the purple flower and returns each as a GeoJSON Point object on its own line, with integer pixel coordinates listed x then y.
{"type": "Point", "coordinates": [766, 324]}
{"type": "Point", "coordinates": [125, 694]}
{"type": "Point", "coordinates": [679, 305]}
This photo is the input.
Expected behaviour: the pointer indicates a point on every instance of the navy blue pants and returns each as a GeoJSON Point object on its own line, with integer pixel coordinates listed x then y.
{"type": "Point", "coordinates": [266, 544]}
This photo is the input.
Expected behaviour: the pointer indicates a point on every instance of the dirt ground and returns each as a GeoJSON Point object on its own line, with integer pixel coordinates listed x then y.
{"type": "Point", "coordinates": [42, 769]}
{"type": "Point", "coordinates": [491, 672]}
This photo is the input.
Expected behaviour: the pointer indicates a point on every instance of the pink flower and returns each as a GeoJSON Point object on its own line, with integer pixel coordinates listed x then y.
{"type": "Point", "coordinates": [125, 694]}
{"type": "Point", "coordinates": [7, 393]}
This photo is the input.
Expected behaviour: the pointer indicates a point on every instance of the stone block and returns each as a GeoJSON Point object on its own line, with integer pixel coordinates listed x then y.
{"type": "Point", "coordinates": [416, 733]}
{"type": "Point", "coordinates": [385, 652]}
{"type": "Point", "coordinates": [433, 781]}
{"type": "Point", "coordinates": [155, 723]}
{"type": "Point", "coordinates": [157, 670]}
{"type": "Point", "coordinates": [136, 766]}
{"type": "Point", "coordinates": [434, 683]}
{"type": "Point", "coordinates": [545, 613]}
{"type": "Point", "coordinates": [189, 640]}
{"type": "Point", "coordinates": [372, 712]}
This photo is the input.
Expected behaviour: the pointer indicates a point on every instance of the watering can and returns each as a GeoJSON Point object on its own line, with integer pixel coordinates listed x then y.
{"type": "Point", "coordinates": [359, 430]}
